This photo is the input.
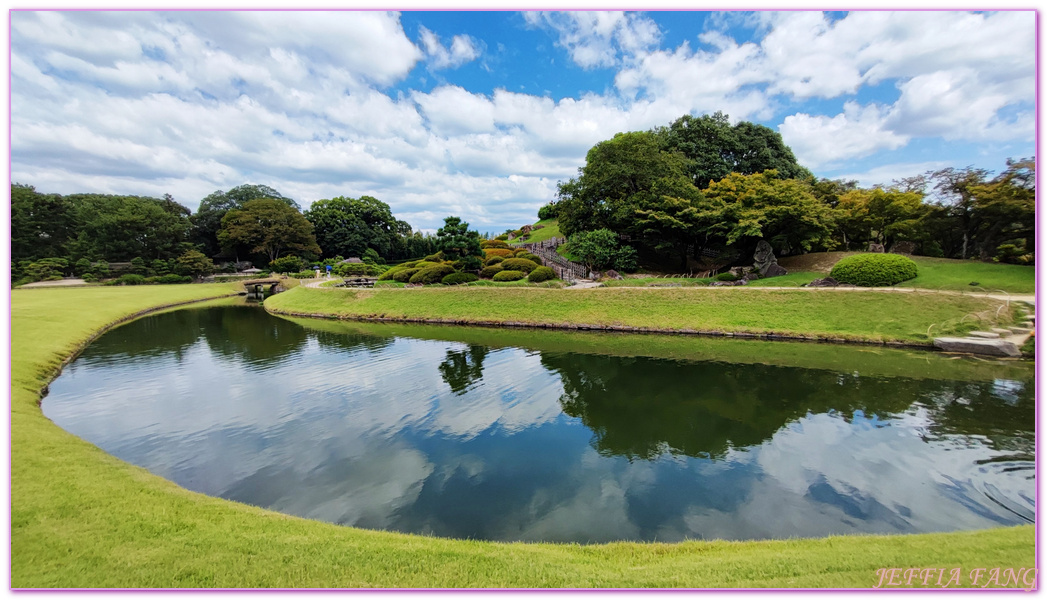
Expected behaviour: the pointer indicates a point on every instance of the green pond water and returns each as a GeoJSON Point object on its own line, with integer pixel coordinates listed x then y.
{"type": "Point", "coordinates": [557, 436]}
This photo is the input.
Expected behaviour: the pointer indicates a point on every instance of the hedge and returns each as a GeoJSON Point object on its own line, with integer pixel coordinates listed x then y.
{"type": "Point", "coordinates": [509, 276]}
{"type": "Point", "coordinates": [494, 260]}
{"type": "Point", "coordinates": [519, 264]}
{"type": "Point", "coordinates": [494, 244]}
{"type": "Point", "coordinates": [874, 269]}
{"type": "Point", "coordinates": [432, 274]}
{"type": "Point", "coordinates": [405, 275]}
{"type": "Point", "coordinates": [459, 278]}
{"type": "Point", "coordinates": [490, 271]}
{"type": "Point", "coordinates": [541, 274]}
{"type": "Point", "coordinates": [503, 252]}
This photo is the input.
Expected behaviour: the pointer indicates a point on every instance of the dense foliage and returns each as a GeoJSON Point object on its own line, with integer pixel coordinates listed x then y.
{"type": "Point", "coordinates": [871, 270]}
{"type": "Point", "coordinates": [268, 226]}
{"type": "Point", "coordinates": [602, 249]}
{"type": "Point", "coordinates": [702, 187]}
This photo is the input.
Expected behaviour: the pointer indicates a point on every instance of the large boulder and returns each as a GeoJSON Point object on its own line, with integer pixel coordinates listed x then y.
{"type": "Point", "coordinates": [826, 282]}
{"type": "Point", "coordinates": [874, 247]}
{"type": "Point", "coordinates": [764, 261]}
{"type": "Point", "coordinates": [903, 248]}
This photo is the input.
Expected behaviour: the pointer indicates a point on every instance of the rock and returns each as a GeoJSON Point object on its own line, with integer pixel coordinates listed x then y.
{"type": "Point", "coordinates": [1019, 329]}
{"type": "Point", "coordinates": [903, 248]}
{"type": "Point", "coordinates": [728, 283]}
{"type": "Point", "coordinates": [1001, 331]}
{"type": "Point", "coordinates": [774, 270]}
{"type": "Point", "coordinates": [978, 346]}
{"type": "Point", "coordinates": [988, 335]}
{"type": "Point", "coordinates": [764, 261]}
{"type": "Point", "coordinates": [973, 283]}
{"type": "Point", "coordinates": [612, 274]}
{"type": "Point", "coordinates": [826, 282]}
{"type": "Point", "coordinates": [874, 247]}
{"type": "Point", "coordinates": [525, 230]}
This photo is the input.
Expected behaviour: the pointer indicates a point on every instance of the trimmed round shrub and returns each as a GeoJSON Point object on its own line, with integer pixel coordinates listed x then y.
{"type": "Point", "coordinates": [459, 278]}
{"type": "Point", "coordinates": [494, 260]}
{"type": "Point", "coordinates": [874, 269]}
{"type": "Point", "coordinates": [503, 252]}
{"type": "Point", "coordinates": [531, 257]}
{"type": "Point", "coordinates": [439, 256]}
{"type": "Point", "coordinates": [518, 251]}
{"type": "Point", "coordinates": [89, 277]}
{"type": "Point", "coordinates": [541, 274]}
{"type": "Point", "coordinates": [491, 271]}
{"type": "Point", "coordinates": [509, 276]}
{"type": "Point", "coordinates": [432, 274]}
{"type": "Point", "coordinates": [726, 277]}
{"type": "Point", "coordinates": [388, 275]}
{"type": "Point", "coordinates": [519, 264]}
{"type": "Point", "coordinates": [405, 275]}
{"type": "Point", "coordinates": [502, 237]}
{"type": "Point", "coordinates": [494, 244]}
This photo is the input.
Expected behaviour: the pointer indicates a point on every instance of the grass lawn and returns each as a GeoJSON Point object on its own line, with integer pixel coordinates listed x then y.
{"type": "Point", "coordinates": [879, 316]}
{"type": "Point", "coordinates": [82, 518]}
{"type": "Point", "coordinates": [933, 274]}
{"type": "Point", "coordinates": [550, 229]}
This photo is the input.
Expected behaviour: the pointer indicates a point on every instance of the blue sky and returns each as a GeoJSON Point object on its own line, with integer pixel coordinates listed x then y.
{"type": "Point", "coordinates": [479, 114]}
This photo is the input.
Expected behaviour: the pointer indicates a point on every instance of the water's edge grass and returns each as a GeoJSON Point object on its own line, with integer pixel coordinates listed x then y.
{"type": "Point", "coordinates": [82, 518]}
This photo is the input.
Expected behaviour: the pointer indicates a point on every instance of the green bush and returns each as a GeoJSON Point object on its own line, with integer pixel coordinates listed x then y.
{"type": "Point", "coordinates": [502, 237]}
{"type": "Point", "coordinates": [172, 278]}
{"type": "Point", "coordinates": [726, 277]}
{"type": "Point", "coordinates": [549, 211]}
{"type": "Point", "coordinates": [434, 258]}
{"type": "Point", "coordinates": [459, 278]}
{"type": "Point", "coordinates": [531, 257]}
{"type": "Point", "coordinates": [405, 275]}
{"type": "Point", "coordinates": [287, 264]}
{"type": "Point", "coordinates": [509, 276]}
{"type": "Point", "coordinates": [494, 260]}
{"type": "Point", "coordinates": [519, 264]}
{"type": "Point", "coordinates": [874, 269]}
{"type": "Point", "coordinates": [541, 274]}
{"type": "Point", "coordinates": [89, 277]}
{"type": "Point", "coordinates": [303, 274]}
{"type": "Point", "coordinates": [432, 274]}
{"type": "Point", "coordinates": [491, 271]}
{"type": "Point", "coordinates": [128, 279]}
{"type": "Point", "coordinates": [468, 263]}
{"type": "Point", "coordinates": [495, 243]}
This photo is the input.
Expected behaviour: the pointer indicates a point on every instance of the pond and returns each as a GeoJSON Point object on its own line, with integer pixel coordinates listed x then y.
{"type": "Point", "coordinates": [556, 436]}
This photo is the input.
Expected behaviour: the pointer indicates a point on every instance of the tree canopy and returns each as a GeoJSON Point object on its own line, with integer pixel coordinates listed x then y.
{"type": "Point", "coordinates": [349, 226]}
{"type": "Point", "coordinates": [208, 217]}
{"type": "Point", "coordinates": [268, 226]}
{"type": "Point", "coordinates": [456, 241]}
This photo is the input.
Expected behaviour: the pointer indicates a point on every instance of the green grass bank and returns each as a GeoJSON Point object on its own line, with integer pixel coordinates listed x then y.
{"type": "Point", "coordinates": [827, 314]}
{"type": "Point", "coordinates": [82, 518]}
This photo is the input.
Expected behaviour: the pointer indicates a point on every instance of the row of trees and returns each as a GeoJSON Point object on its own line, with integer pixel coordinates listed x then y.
{"type": "Point", "coordinates": [702, 185]}
{"type": "Point", "coordinates": [249, 222]}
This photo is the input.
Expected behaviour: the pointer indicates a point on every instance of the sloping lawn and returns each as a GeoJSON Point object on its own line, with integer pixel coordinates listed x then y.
{"type": "Point", "coordinates": [82, 518]}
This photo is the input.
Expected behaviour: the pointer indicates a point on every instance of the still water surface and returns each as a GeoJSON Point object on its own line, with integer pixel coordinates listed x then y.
{"type": "Point", "coordinates": [536, 435]}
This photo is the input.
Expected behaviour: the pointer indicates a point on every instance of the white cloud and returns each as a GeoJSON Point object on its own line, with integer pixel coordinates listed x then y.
{"type": "Point", "coordinates": [463, 49]}
{"type": "Point", "coordinates": [191, 102]}
{"type": "Point", "coordinates": [857, 131]}
{"type": "Point", "coordinates": [595, 39]}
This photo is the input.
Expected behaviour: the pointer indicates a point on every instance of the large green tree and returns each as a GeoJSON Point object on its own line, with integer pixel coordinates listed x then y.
{"type": "Point", "coordinates": [349, 226]}
{"type": "Point", "coordinates": [207, 219]}
{"type": "Point", "coordinates": [120, 228]}
{"type": "Point", "coordinates": [743, 209]}
{"type": "Point", "coordinates": [41, 224]}
{"type": "Point", "coordinates": [714, 148]}
{"type": "Point", "coordinates": [456, 241]}
{"type": "Point", "coordinates": [268, 227]}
